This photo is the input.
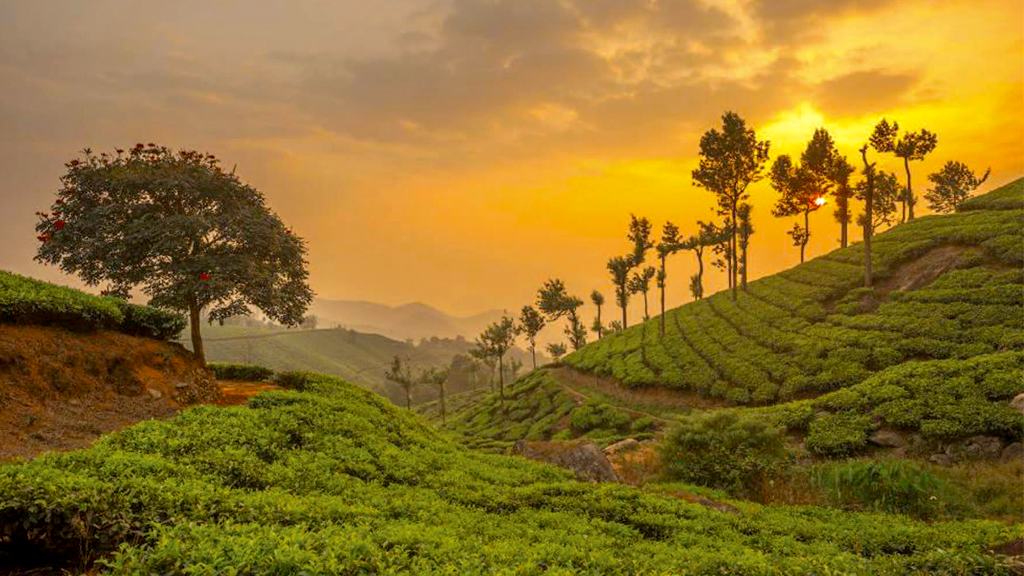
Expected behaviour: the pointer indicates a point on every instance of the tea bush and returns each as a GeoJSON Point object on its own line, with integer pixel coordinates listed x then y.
{"type": "Point", "coordinates": [897, 486]}
{"type": "Point", "coordinates": [242, 372]}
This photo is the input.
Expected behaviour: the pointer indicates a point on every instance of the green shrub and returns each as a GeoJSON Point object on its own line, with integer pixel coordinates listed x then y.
{"type": "Point", "coordinates": [593, 416]}
{"type": "Point", "coordinates": [242, 372]}
{"type": "Point", "coordinates": [724, 450]}
{"type": "Point", "coordinates": [896, 486]}
{"type": "Point", "coordinates": [295, 380]}
{"type": "Point", "coordinates": [150, 322]}
{"type": "Point", "coordinates": [838, 434]}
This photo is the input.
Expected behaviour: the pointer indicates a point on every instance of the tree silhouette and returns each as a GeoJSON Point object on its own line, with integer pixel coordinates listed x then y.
{"type": "Point", "coordinates": [911, 146]}
{"type": "Point", "coordinates": [730, 161]}
{"type": "Point", "coordinates": [531, 323]}
{"type": "Point", "coordinates": [868, 219]}
{"type": "Point", "coordinates": [953, 184]}
{"type": "Point", "coordinates": [640, 236]}
{"type": "Point", "coordinates": [438, 378]}
{"type": "Point", "coordinates": [746, 230]}
{"type": "Point", "coordinates": [496, 340]}
{"type": "Point", "coordinates": [487, 359]}
{"type": "Point", "coordinates": [887, 191]}
{"type": "Point", "coordinates": [556, 350]}
{"type": "Point", "coordinates": [707, 235]}
{"type": "Point", "coordinates": [402, 376]}
{"type": "Point", "coordinates": [619, 267]}
{"type": "Point", "coordinates": [598, 300]}
{"type": "Point", "coordinates": [191, 235]}
{"type": "Point", "coordinates": [640, 283]}
{"type": "Point", "coordinates": [843, 191]}
{"type": "Point", "coordinates": [556, 302]}
{"type": "Point", "coordinates": [803, 187]}
{"type": "Point", "coordinates": [670, 243]}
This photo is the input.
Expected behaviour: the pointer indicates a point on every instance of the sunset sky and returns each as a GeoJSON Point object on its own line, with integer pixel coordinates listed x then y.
{"type": "Point", "coordinates": [460, 152]}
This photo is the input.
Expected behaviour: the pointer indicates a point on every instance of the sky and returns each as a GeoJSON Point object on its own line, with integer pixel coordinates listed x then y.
{"type": "Point", "coordinates": [460, 152]}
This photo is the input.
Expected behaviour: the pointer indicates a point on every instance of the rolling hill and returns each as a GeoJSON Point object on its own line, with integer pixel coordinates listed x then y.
{"type": "Point", "coordinates": [414, 320]}
{"type": "Point", "coordinates": [930, 356]}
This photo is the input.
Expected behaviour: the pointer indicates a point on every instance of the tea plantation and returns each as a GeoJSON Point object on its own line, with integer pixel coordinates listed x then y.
{"type": "Point", "coordinates": [813, 329]}
{"type": "Point", "coordinates": [335, 480]}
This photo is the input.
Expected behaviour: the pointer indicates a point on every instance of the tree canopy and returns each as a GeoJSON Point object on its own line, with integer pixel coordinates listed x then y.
{"type": "Point", "coordinates": [953, 184]}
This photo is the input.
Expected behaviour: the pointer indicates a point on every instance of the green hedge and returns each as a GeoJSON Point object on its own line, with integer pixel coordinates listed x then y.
{"type": "Point", "coordinates": [1008, 197]}
{"type": "Point", "coordinates": [28, 301]}
{"type": "Point", "coordinates": [243, 372]}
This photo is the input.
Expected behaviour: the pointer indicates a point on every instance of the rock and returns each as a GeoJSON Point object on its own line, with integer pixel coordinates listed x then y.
{"type": "Point", "coordinates": [1014, 451]}
{"type": "Point", "coordinates": [627, 445]}
{"type": "Point", "coordinates": [941, 459]}
{"type": "Point", "coordinates": [1018, 403]}
{"type": "Point", "coordinates": [886, 439]}
{"type": "Point", "coordinates": [156, 394]}
{"type": "Point", "coordinates": [181, 384]}
{"type": "Point", "coordinates": [584, 458]}
{"type": "Point", "coordinates": [984, 446]}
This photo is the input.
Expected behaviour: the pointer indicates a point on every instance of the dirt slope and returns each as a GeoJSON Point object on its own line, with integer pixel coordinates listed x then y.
{"type": "Point", "coordinates": [60, 390]}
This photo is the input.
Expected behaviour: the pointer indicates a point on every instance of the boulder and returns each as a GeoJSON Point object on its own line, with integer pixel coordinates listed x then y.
{"type": "Point", "coordinates": [1018, 403]}
{"type": "Point", "coordinates": [941, 459]}
{"type": "Point", "coordinates": [886, 439]}
{"type": "Point", "coordinates": [156, 394]}
{"type": "Point", "coordinates": [627, 445]}
{"type": "Point", "coordinates": [1014, 451]}
{"type": "Point", "coordinates": [984, 446]}
{"type": "Point", "coordinates": [584, 458]}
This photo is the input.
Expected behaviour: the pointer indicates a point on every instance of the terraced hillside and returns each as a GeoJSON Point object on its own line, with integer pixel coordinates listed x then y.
{"type": "Point", "coordinates": [946, 287]}
{"type": "Point", "coordinates": [335, 480]}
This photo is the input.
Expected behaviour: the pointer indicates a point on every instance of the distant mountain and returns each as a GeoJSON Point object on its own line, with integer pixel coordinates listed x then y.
{"type": "Point", "coordinates": [415, 320]}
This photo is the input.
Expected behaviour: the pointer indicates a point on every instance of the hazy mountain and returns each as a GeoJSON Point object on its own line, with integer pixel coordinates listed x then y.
{"type": "Point", "coordinates": [415, 320]}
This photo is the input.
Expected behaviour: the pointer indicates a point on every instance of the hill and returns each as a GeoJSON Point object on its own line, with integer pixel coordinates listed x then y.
{"type": "Point", "coordinates": [415, 320]}
{"type": "Point", "coordinates": [334, 480]}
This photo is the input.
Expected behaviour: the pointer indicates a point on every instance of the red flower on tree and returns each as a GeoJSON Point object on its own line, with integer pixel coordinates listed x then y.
{"type": "Point", "coordinates": [204, 277]}
{"type": "Point", "coordinates": [60, 224]}
{"type": "Point", "coordinates": [43, 237]}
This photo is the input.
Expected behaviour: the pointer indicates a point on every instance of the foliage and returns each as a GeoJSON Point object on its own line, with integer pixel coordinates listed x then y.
{"type": "Point", "coordinates": [175, 223]}
{"type": "Point", "coordinates": [1007, 197]}
{"type": "Point", "coordinates": [911, 146]}
{"type": "Point", "coordinates": [28, 301]}
{"type": "Point", "coordinates": [556, 302]}
{"type": "Point", "coordinates": [954, 183]}
{"type": "Point", "coordinates": [556, 350]}
{"type": "Point", "coordinates": [895, 486]}
{"type": "Point", "coordinates": [725, 450]}
{"type": "Point", "coordinates": [241, 372]}
{"type": "Point", "coordinates": [883, 205]}
{"type": "Point", "coordinates": [530, 324]}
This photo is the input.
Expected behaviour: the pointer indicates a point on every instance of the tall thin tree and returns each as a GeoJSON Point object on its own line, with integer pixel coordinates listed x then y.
{"type": "Point", "coordinates": [640, 283]}
{"type": "Point", "coordinates": [556, 302]}
{"type": "Point", "coordinates": [746, 230]}
{"type": "Point", "coordinates": [619, 267]}
{"type": "Point", "coordinates": [597, 299]}
{"type": "Point", "coordinates": [497, 339]}
{"type": "Point", "coordinates": [670, 243]}
{"type": "Point", "coordinates": [869, 214]}
{"type": "Point", "coordinates": [530, 324]}
{"type": "Point", "coordinates": [911, 147]}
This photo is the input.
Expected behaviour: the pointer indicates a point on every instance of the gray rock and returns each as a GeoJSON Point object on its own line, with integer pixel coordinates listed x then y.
{"type": "Point", "coordinates": [584, 458]}
{"type": "Point", "coordinates": [1014, 451]}
{"type": "Point", "coordinates": [984, 446]}
{"type": "Point", "coordinates": [886, 439]}
{"type": "Point", "coordinates": [156, 394]}
{"type": "Point", "coordinates": [627, 445]}
{"type": "Point", "coordinates": [941, 459]}
{"type": "Point", "coordinates": [1018, 403]}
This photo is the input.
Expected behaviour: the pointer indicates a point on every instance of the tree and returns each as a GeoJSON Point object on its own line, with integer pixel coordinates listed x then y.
{"type": "Point", "coordinates": [496, 340]}
{"type": "Point", "coordinates": [309, 322]}
{"type": "Point", "coordinates": [614, 326]}
{"type": "Point", "coordinates": [707, 235]}
{"type": "Point", "coordinates": [887, 192]}
{"type": "Point", "coordinates": [514, 365]}
{"type": "Point", "coordinates": [803, 187]}
{"type": "Point", "coordinates": [556, 350]}
{"type": "Point", "coordinates": [556, 302]}
{"type": "Point", "coordinates": [619, 267]}
{"type": "Point", "coordinates": [840, 176]}
{"type": "Point", "coordinates": [484, 355]}
{"type": "Point", "coordinates": [670, 243]}
{"type": "Point", "coordinates": [953, 184]}
{"type": "Point", "coordinates": [402, 376]}
{"type": "Point", "coordinates": [438, 378]}
{"type": "Point", "coordinates": [640, 283]}
{"type": "Point", "coordinates": [730, 161]}
{"type": "Point", "coordinates": [191, 235]}
{"type": "Point", "coordinates": [530, 323]}
{"type": "Point", "coordinates": [867, 221]}
{"type": "Point", "coordinates": [746, 230]}
{"type": "Point", "coordinates": [911, 146]}
{"type": "Point", "coordinates": [598, 300]}
{"type": "Point", "coordinates": [640, 236]}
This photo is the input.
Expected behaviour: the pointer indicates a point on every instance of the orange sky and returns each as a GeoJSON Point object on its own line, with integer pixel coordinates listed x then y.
{"type": "Point", "coordinates": [459, 152]}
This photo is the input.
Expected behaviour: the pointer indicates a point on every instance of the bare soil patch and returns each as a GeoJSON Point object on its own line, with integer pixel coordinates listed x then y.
{"type": "Point", "coordinates": [658, 398]}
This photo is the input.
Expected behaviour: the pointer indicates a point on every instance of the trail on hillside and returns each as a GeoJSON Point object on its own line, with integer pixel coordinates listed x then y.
{"type": "Point", "coordinates": [571, 380]}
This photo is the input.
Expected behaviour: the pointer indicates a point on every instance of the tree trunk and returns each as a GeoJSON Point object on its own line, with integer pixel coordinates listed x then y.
{"type": "Point", "coordinates": [600, 327]}
{"type": "Point", "coordinates": [408, 399]}
{"type": "Point", "coordinates": [647, 316]}
{"type": "Point", "coordinates": [743, 273]}
{"type": "Point", "coordinates": [197, 337]}
{"type": "Point", "coordinates": [807, 234]}
{"type": "Point", "coordinates": [734, 256]}
{"type": "Point", "coordinates": [625, 323]}
{"type": "Point", "coordinates": [869, 217]}
{"type": "Point", "coordinates": [533, 353]}
{"type": "Point", "coordinates": [501, 385]}
{"type": "Point", "coordinates": [664, 281]}
{"type": "Point", "coordinates": [700, 273]}
{"type": "Point", "coordinates": [910, 191]}
{"type": "Point", "coordinates": [440, 391]}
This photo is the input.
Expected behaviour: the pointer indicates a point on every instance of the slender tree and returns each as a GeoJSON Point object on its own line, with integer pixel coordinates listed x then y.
{"type": "Point", "coordinates": [402, 376]}
{"type": "Point", "coordinates": [640, 283]}
{"type": "Point", "coordinates": [887, 192]}
{"type": "Point", "coordinates": [190, 235]}
{"type": "Point", "coordinates": [708, 235]}
{"type": "Point", "coordinates": [911, 147]}
{"type": "Point", "coordinates": [953, 184]}
{"type": "Point", "coordinates": [598, 300]}
{"type": "Point", "coordinates": [670, 243]}
{"type": "Point", "coordinates": [555, 302]}
{"type": "Point", "coordinates": [802, 187]}
{"type": "Point", "coordinates": [497, 339]}
{"type": "Point", "coordinates": [640, 236]}
{"type": "Point", "coordinates": [730, 161]}
{"type": "Point", "coordinates": [619, 267]}
{"type": "Point", "coordinates": [484, 356]}
{"type": "Point", "coordinates": [746, 230]}
{"type": "Point", "coordinates": [843, 192]}
{"type": "Point", "coordinates": [869, 211]}
{"type": "Point", "coordinates": [530, 324]}
{"type": "Point", "coordinates": [438, 378]}
{"type": "Point", "coordinates": [556, 350]}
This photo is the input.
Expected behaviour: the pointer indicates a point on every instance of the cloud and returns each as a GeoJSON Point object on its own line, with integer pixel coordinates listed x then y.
{"type": "Point", "coordinates": [863, 92]}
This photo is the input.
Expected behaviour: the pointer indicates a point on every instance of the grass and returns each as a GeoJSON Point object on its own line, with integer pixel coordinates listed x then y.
{"type": "Point", "coordinates": [334, 480]}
